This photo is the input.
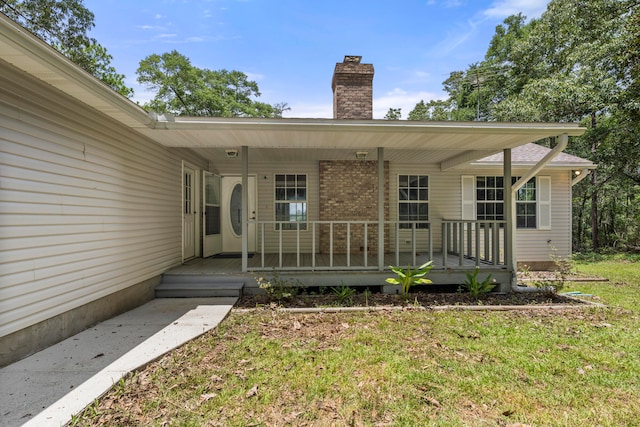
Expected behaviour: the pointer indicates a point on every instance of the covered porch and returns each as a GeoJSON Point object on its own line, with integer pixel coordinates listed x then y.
{"type": "Point", "coordinates": [452, 238]}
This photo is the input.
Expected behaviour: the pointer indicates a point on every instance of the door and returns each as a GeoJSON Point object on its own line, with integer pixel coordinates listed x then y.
{"type": "Point", "coordinates": [232, 214]}
{"type": "Point", "coordinates": [188, 212]}
{"type": "Point", "coordinates": [211, 231]}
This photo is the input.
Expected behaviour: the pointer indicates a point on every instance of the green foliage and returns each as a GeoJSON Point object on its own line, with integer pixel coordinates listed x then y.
{"type": "Point", "coordinates": [477, 287]}
{"type": "Point", "coordinates": [65, 25]}
{"type": "Point", "coordinates": [344, 294]}
{"type": "Point", "coordinates": [278, 289]}
{"type": "Point", "coordinates": [578, 62]}
{"type": "Point", "coordinates": [183, 89]}
{"type": "Point", "coordinates": [408, 278]}
{"type": "Point", "coordinates": [393, 114]}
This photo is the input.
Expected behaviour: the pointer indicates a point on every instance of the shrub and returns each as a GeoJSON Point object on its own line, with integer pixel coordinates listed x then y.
{"type": "Point", "coordinates": [408, 278]}
{"type": "Point", "coordinates": [477, 287]}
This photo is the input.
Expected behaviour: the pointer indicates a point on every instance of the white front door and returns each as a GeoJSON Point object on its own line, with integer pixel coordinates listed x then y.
{"type": "Point", "coordinates": [188, 212]}
{"type": "Point", "coordinates": [211, 231]}
{"type": "Point", "coordinates": [232, 214]}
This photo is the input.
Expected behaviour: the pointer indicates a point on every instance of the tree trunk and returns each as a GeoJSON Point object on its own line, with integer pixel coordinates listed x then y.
{"type": "Point", "coordinates": [595, 238]}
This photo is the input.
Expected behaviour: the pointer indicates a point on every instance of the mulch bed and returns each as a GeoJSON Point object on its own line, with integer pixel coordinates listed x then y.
{"type": "Point", "coordinates": [425, 299]}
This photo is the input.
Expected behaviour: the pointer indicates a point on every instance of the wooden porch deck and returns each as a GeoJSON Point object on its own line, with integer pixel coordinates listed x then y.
{"type": "Point", "coordinates": [218, 268]}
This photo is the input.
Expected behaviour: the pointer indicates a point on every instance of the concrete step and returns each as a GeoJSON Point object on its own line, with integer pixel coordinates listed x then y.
{"type": "Point", "coordinates": [198, 285]}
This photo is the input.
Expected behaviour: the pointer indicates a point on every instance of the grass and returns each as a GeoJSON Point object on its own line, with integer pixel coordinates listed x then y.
{"type": "Point", "coordinates": [411, 367]}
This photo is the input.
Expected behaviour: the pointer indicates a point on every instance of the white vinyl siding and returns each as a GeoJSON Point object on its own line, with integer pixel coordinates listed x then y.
{"type": "Point", "coordinates": [87, 209]}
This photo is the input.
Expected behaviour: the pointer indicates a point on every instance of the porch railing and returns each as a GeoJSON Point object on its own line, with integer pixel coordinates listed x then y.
{"type": "Point", "coordinates": [481, 241]}
{"type": "Point", "coordinates": [300, 248]}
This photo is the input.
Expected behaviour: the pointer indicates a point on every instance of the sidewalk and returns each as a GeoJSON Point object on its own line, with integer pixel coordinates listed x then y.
{"type": "Point", "coordinates": [47, 388]}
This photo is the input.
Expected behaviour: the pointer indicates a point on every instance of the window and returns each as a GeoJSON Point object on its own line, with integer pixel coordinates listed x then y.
{"type": "Point", "coordinates": [489, 198]}
{"type": "Point", "coordinates": [526, 205]}
{"type": "Point", "coordinates": [413, 200]}
{"type": "Point", "coordinates": [291, 201]}
{"type": "Point", "coordinates": [490, 201]}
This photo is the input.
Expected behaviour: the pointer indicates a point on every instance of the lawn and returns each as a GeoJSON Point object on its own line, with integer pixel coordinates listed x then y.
{"type": "Point", "coordinates": [403, 367]}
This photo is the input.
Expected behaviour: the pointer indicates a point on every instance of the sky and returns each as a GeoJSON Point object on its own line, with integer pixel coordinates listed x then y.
{"type": "Point", "coordinates": [290, 47]}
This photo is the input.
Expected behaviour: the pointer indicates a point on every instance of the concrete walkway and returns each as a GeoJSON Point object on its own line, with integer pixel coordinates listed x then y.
{"type": "Point", "coordinates": [48, 388]}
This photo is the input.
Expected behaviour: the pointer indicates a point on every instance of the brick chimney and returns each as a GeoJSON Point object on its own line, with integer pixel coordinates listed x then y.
{"type": "Point", "coordinates": [352, 86]}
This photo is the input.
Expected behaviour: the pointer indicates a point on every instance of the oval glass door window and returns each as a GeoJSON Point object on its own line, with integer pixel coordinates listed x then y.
{"type": "Point", "coordinates": [235, 209]}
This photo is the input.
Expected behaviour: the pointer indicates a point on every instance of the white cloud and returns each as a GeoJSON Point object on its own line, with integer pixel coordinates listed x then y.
{"type": "Point", "coordinates": [256, 77]}
{"type": "Point", "coordinates": [503, 8]}
{"type": "Point", "coordinates": [313, 111]}
{"type": "Point", "coordinates": [399, 98]}
{"type": "Point", "coordinates": [455, 38]}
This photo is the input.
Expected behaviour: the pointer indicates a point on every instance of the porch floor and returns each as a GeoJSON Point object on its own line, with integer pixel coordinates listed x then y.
{"type": "Point", "coordinates": [228, 265]}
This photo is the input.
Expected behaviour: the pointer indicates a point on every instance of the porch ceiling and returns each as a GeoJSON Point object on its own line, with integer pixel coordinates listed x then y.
{"type": "Point", "coordinates": [309, 139]}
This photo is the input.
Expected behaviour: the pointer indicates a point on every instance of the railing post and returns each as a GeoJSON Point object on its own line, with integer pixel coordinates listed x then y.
{"type": "Point", "coordinates": [461, 243]}
{"type": "Point", "coordinates": [397, 243]}
{"type": "Point", "coordinates": [413, 243]}
{"type": "Point", "coordinates": [331, 244]}
{"type": "Point", "coordinates": [495, 241]}
{"type": "Point", "coordinates": [469, 225]}
{"type": "Point", "coordinates": [430, 241]}
{"type": "Point", "coordinates": [280, 246]}
{"type": "Point", "coordinates": [297, 244]}
{"type": "Point", "coordinates": [445, 243]}
{"type": "Point", "coordinates": [477, 244]}
{"type": "Point", "coordinates": [313, 245]}
{"type": "Point", "coordinates": [348, 244]}
{"type": "Point", "coordinates": [262, 244]}
{"type": "Point", "coordinates": [365, 251]}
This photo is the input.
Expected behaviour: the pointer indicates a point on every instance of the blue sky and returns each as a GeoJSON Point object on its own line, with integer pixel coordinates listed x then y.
{"type": "Point", "coordinates": [290, 47]}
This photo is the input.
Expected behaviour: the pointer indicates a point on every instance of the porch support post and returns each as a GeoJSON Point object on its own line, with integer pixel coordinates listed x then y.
{"type": "Point", "coordinates": [245, 208]}
{"type": "Point", "coordinates": [381, 208]}
{"type": "Point", "coordinates": [509, 216]}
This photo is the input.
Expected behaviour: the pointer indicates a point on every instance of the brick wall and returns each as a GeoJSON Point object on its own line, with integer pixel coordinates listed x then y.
{"type": "Point", "coordinates": [349, 191]}
{"type": "Point", "coordinates": [352, 86]}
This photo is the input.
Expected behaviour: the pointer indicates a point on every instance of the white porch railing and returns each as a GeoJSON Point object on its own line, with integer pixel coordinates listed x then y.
{"type": "Point", "coordinates": [481, 241]}
{"type": "Point", "coordinates": [301, 248]}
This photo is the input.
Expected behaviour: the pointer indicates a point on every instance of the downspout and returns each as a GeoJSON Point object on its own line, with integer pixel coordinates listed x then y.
{"type": "Point", "coordinates": [562, 144]}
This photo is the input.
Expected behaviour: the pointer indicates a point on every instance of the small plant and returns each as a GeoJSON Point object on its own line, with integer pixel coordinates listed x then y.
{"type": "Point", "coordinates": [367, 294]}
{"type": "Point", "coordinates": [344, 294]}
{"type": "Point", "coordinates": [563, 268]}
{"type": "Point", "coordinates": [278, 289]}
{"type": "Point", "coordinates": [408, 278]}
{"type": "Point", "coordinates": [478, 287]}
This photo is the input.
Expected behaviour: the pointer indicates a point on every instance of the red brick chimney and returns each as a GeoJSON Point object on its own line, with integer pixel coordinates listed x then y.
{"type": "Point", "coordinates": [352, 86]}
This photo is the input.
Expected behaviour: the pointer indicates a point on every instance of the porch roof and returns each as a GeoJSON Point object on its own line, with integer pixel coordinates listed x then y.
{"type": "Point", "coordinates": [446, 143]}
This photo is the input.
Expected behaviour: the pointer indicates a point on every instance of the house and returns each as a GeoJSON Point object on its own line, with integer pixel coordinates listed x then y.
{"type": "Point", "coordinates": [100, 199]}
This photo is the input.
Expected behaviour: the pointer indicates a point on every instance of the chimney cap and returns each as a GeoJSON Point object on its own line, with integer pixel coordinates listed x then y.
{"type": "Point", "coordinates": [352, 59]}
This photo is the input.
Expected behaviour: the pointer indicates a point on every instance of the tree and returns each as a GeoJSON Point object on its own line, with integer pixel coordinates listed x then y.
{"type": "Point", "coordinates": [65, 24]}
{"type": "Point", "coordinates": [432, 110]}
{"type": "Point", "coordinates": [578, 62]}
{"type": "Point", "coordinates": [184, 89]}
{"type": "Point", "coordinates": [393, 114]}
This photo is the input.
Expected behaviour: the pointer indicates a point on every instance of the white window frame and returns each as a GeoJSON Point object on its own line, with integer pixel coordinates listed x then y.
{"type": "Point", "coordinates": [418, 200]}
{"type": "Point", "coordinates": [543, 201]}
{"type": "Point", "coordinates": [294, 224]}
